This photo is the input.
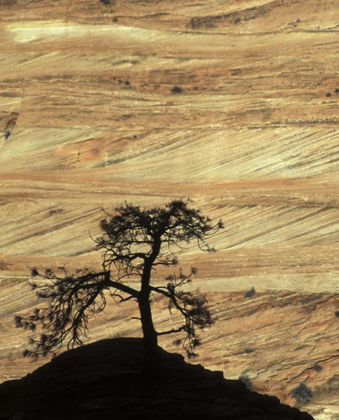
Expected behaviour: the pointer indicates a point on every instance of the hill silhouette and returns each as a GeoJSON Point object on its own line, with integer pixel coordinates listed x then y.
{"type": "Point", "coordinates": [110, 379]}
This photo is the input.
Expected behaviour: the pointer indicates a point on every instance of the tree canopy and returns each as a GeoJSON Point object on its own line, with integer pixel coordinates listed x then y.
{"type": "Point", "coordinates": [134, 242]}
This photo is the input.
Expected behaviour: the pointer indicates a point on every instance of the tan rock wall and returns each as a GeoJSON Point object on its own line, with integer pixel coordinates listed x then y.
{"type": "Point", "coordinates": [88, 120]}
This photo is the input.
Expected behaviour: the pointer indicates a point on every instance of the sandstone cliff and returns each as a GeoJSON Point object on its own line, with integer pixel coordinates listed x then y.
{"type": "Point", "coordinates": [88, 120]}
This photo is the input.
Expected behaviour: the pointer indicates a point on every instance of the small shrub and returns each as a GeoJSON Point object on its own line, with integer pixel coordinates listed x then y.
{"type": "Point", "coordinates": [106, 1]}
{"type": "Point", "coordinates": [249, 350]}
{"type": "Point", "coordinates": [336, 90]}
{"type": "Point", "coordinates": [250, 292]}
{"type": "Point", "coordinates": [317, 367]}
{"type": "Point", "coordinates": [127, 82]}
{"type": "Point", "coordinates": [302, 393]}
{"type": "Point", "coordinates": [336, 313]}
{"type": "Point", "coordinates": [328, 94]}
{"type": "Point", "coordinates": [115, 19]}
{"type": "Point", "coordinates": [7, 133]}
{"type": "Point", "coordinates": [245, 379]}
{"type": "Point", "coordinates": [176, 89]}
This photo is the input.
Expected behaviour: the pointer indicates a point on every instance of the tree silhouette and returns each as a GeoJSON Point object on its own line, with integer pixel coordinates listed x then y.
{"type": "Point", "coordinates": [134, 242]}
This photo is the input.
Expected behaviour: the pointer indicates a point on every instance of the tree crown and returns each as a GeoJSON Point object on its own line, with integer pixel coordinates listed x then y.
{"type": "Point", "coordinates": [134, 242]}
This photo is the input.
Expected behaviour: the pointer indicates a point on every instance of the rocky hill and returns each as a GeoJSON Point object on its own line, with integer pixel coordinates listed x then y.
{"type": "Point", "coordinates": [109, 379]}
{"type": "Point", "coordinates": [231, 103]}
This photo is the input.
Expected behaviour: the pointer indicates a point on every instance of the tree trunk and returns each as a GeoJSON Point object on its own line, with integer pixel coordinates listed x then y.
{"type": "Point", "coordinates": [150, 336]}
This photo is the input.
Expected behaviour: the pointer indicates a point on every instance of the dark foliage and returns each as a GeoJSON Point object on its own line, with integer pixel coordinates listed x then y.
{"type": "Point", "coordinates": [246, 380]}
{"type": "Point", "coordinates": [317, 367]}
{"type": "Point", "coordinates": [336, 313]}
{"type": "Point", "coordinates": [106, 1]}
{"type": "Point", "coordinates": [7, 133]}
{"type": "Point", "coordinates": [176, 89]}
{"type": "Point", "coordinates": [328, 94]}
{"type": "Point", "coordinates": [134, 242]}
{"type": "Point", "coordinates": [250, 292]}
{"type": "Point", "coordinates": [302, 393]}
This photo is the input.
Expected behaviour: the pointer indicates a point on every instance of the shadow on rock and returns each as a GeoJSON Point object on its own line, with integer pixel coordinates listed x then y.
{"type": "Point", "coordinates": [110, 379]}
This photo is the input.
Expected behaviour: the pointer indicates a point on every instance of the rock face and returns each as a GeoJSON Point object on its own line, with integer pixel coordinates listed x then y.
{"type": "Point", "coordinates": [89, 118]}
{"type": "Point", "coordinates": [109, 379]}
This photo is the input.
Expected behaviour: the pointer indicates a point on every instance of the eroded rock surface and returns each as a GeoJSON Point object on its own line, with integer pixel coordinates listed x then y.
{"type": "Point", "coordinates": [88, 119]}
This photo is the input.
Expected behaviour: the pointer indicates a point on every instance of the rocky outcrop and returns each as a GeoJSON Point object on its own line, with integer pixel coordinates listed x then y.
{"type": "Point", "coordinates": [109, 379]}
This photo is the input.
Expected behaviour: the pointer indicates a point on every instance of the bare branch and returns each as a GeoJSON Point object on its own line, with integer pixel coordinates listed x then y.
{"type": "Point", "coordinates": [134, 242]}
{"type": "Point", "coordinates": [173, 330]}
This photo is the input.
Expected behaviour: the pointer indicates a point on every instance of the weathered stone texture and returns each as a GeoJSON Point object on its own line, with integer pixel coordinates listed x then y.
{"type": "Point", "coordinates": [88, 120]}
